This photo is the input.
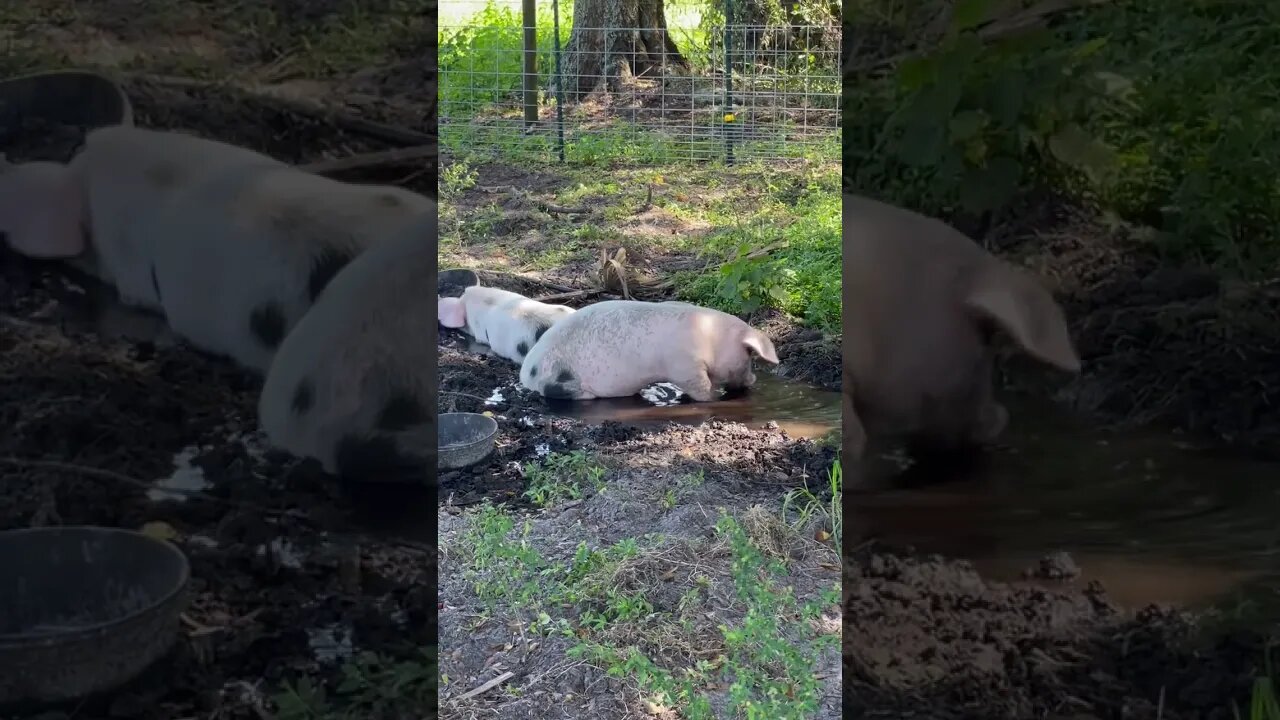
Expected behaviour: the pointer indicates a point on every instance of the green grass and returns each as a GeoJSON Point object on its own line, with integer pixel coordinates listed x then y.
{"type": "Point", "coordinates": [604, 601]}
{"type": "Point", "coordinates": [560, 477]}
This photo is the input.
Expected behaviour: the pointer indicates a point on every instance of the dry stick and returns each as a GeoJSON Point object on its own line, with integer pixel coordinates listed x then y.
{"type": "Point", "coordinates": [573, 294]}
{"type": "Point", "coordinates": [374, 159]}
{"type": "Point", "coordinates": [547, 206]}
{"type": "Point", "coordinates": [526, 278]}
{"type": "Point", "coordinates": [344, 120]}
{"type": "Point", "coordinates": [487, 686]}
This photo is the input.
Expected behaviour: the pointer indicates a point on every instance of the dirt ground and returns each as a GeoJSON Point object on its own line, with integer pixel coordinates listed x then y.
{"type": "Point", "coordinates": [296, 581]}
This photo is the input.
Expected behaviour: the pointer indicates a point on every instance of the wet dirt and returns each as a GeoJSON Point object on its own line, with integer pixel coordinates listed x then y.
{"type": "Point", "coordinates": [109, 421]}
{"type": "Point", "coordinates": [928, 637]}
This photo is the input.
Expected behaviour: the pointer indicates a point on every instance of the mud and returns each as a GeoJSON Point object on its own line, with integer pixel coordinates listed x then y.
{"type": "Point", "coordinates": [927, 637]}
{"type": "Point", "coordinates": [1174, 347]}
{"type": "Point", "coordinates": [281, 557]}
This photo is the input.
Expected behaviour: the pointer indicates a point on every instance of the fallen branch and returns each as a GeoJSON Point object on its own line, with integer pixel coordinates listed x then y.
{"type": "Point", "coordinates": [526, 278]}
{"type": "Point", "coordinates": [374, 159]}
{"type": "Point", "coordinates": [487, 686]}
{"type": "Point", "coordinates": [560, 209]}
{"type": "Point", "coordinates": [543, 204]}
{"type": "Point", "coordinates": [344, 120]}
{"type": "Point", "coordinates": [575, 294]}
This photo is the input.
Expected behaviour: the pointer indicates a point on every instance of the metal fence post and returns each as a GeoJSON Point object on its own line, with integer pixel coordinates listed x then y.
{"type": "Point", "coordinates": [555, 19]}
{"type": "Point", "coordinates": [530, 12]}
{"type": "Point", "coordinates": [728, 116]}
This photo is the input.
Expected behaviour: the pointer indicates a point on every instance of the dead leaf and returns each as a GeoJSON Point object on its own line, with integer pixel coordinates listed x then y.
{"type": "Point", "coordinates": [159, 530]}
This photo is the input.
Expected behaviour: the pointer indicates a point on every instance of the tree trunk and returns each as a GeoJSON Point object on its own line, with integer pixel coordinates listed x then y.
{"type": "Point", "coordinates": [776, 28]}
{"type": "Point", "coordinates": [631, 34]}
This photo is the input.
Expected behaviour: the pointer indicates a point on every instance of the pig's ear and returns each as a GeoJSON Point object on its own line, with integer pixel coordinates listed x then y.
{"type": "Point", "coordinates": [761, 344]}
{"type": "Point", "coordinates": [42, 210]}
{"type": "Point", "coordinates": [1019, 304]}
{"type": "Point", "coordinates": [452, 313]}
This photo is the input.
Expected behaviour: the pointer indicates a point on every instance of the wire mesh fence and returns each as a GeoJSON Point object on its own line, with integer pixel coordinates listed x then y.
{"type": "Point", "coordinates": [663, 84]}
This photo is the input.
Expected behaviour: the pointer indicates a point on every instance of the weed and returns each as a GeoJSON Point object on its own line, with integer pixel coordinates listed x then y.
{"type": "Point", "coordinates": [800, 506]}
{"type": "Point", "coordinates": [455, 178]}
{"type": "Point", "coordinates": [500, 568]}
{"type": "Point", "coordinates": [371, 686]}
{"type": "Point", "coordinates": [768, 671]}
{"type": "Point", "coordinates": [562, 476]}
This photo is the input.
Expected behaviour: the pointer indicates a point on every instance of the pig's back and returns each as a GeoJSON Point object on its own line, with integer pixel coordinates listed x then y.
{"type": "Point", "coordinates": [618, 347]}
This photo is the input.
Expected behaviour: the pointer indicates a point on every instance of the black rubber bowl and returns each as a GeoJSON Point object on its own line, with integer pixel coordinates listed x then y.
{"type": "Point", "coordinates": [84, 610]}
{"type": "Point", "coordinates": [47, 113]}
{"type": "Point", "coordinates": [465, 439]}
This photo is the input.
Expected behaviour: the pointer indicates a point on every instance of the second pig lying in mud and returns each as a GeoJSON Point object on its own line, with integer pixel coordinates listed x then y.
{"type": "Point", "coordinates": [507, 322]}
{"type": "Point", "coordinates": [230, 245]}
{"type": "Point", "coordinates": [353, 385]}
{"type": "Point", "coordinates": [618, 347]}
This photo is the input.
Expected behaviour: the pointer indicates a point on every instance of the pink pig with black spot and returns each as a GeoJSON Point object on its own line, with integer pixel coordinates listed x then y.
{"type": "Point", "coordinates": [617, 348]}
{"type": "Point", "coordinates": [230, 245]}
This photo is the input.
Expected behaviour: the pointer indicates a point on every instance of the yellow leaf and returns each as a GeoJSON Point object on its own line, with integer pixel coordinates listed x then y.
{"type": "Point", "coordinates": [159, 530]}
{"type": "Point", "coordinates": [821, 535]}
{"type": "Point", "coordinates": [486, 413]}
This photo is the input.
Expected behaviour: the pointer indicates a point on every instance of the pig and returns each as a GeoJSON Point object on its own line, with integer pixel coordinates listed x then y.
{"type": "Point", "coordinates": [353, 384]}
{"type": "Point", "coordinates": [229, 245]}
{"type": "Point", "coordinates": [921, 306]}
{"type": "Point", "coordinates": [86, 211]}
{"type": "Point", "coordinates": [616, 348]}
{"type": "Point", "coordinates": [509, 323]}
{"type": "Point", "coordinates": [240, 257]}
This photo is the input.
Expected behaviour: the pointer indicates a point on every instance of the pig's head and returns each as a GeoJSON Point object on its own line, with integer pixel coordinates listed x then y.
{"type": "Point", "coordinates": [43, 213]}
{"type": "Point", "coordinates": [451, 312]}
{"type": "Point", "coordinates": [734, 351]}
{"type": "Point", "coordinates": [999, 298]}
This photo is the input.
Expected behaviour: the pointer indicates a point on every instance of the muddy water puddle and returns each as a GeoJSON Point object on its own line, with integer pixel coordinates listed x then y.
{"type": "Point", "coordinates": [799, 409]}
{"type": "Point", "coordinates": [1154, 518]}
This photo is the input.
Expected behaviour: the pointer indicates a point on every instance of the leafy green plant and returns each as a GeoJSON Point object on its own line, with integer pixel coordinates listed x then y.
{"type": "Point", "coordinates": [972, 122]}
{"type": "Point", "coordinates": [562, 476]}
{"type": "Point", "coordinates": [371, 686]}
